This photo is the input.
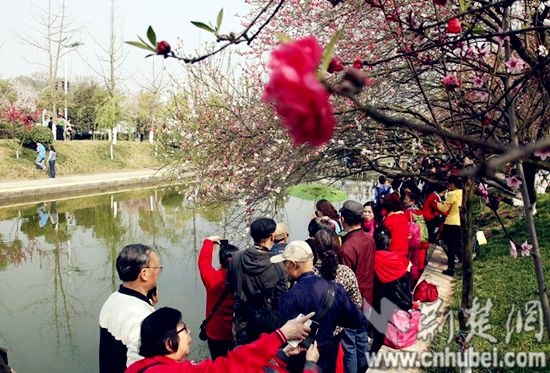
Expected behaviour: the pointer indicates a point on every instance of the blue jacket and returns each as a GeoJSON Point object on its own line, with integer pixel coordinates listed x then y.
{"type": "Point", "coordinates": [308, 294]}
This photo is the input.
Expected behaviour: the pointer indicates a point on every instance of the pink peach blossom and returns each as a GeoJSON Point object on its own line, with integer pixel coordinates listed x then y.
{"type": "Point", "coordinates": [543, 153]}
{"type": "Point", "coordinates": [513, 182]}
{"type": "Point", "coordinates": [515, 65]}
{"type": "Point", "coordinates": [526, 249]}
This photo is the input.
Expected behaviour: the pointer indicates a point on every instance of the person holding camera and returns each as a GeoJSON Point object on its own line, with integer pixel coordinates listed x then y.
{"type": "Point", "coordinates": [311, 293]}
{"type": "Point", "coordinates": [217, 327]}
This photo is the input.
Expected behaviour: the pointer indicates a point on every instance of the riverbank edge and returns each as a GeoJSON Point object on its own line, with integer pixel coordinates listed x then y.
{"type": "Point", "coordinates": [29, 191]}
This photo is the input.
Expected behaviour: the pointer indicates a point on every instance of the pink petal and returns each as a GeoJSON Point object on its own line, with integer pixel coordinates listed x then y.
{"type": "Point", "coordinates": [513, 250]}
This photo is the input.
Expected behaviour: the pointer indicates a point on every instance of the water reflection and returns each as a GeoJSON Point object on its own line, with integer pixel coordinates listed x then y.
{"type": "Point", "coordinates": [57, 265]}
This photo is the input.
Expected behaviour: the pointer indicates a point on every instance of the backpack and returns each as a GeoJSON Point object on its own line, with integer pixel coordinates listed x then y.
{"type": "Point", "coordinates": [381, 193]}
{"type": "Point", "coordinates": [414, 234]}
{"type": "Point", "coordinates": [419, 219]}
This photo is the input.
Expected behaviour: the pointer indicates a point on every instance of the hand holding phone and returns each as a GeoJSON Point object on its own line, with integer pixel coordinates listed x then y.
{"type": "Point", "coordinates": [306, 343]}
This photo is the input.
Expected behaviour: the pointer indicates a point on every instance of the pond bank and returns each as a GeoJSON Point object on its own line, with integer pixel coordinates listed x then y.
{"type": "Point", "coordinates": [19, 191]}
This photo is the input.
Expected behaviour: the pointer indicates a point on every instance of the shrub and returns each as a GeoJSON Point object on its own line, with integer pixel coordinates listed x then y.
{"type": "Point", "coordinates": [37, 133]}
{"type": "Point", "coordinates": [9, 131]}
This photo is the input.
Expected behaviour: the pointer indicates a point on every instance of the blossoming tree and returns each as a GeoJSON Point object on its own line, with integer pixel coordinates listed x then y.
{"type": "Point", "coordinates": [397, 79]}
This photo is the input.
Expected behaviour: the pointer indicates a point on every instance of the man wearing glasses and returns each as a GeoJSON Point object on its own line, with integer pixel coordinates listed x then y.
{"type": "Point", "coordinates": [138, 267]}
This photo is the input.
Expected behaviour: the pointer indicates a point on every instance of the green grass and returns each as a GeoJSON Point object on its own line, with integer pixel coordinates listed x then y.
{"type": "Point", "coordinates": [78, 157]}
{"type": "Point", "coordinates": [506, 281]}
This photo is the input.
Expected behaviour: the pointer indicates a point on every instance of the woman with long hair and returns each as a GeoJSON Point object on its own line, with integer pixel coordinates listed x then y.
{"type": "Point", "coordinates": [325, 208]}
{"type": "Point", "coordinates": [326, 246]}
{"type": "Point", "coordinates": [52, 157]}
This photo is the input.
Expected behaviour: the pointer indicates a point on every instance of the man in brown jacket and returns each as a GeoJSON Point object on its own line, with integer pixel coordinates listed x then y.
{"type": "Point", "coordinates": [357, 253]}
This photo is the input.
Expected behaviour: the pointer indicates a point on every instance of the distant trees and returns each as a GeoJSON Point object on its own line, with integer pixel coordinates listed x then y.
{"type": "Point", "coordinates": [87, 97]}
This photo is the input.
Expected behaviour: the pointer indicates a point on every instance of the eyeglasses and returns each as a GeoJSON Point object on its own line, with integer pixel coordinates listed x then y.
{"type": "Point", "coordinates": [159, 267]}
{"type": "Point", "coordinates": [182, 329]}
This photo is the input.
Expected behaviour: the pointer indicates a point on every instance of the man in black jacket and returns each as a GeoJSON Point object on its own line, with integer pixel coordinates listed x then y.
{"type": "Point", "coordinates": [257, 284]}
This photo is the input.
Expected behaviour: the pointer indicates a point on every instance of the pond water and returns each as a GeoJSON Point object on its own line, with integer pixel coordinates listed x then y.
{"type": "Point", "coordinates": [57, 267]}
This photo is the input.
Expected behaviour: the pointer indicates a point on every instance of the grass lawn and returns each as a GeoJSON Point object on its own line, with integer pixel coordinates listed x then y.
{"type": "Point", "coordinates": [78, 157]}
{"type": "Point", "coordinates": [508, 283]}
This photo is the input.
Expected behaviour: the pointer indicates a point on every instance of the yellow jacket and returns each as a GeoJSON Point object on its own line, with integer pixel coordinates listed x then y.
{"type": "Point", "coordinates": [452, 205]}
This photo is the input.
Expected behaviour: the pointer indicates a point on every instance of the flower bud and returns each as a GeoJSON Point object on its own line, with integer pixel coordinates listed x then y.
{"type": "Point", "coordinates": [335, 65]}
{"type": "Point", "coordinates": [451, 82]}
{"type": "Point", "coordinates": [163, 48]}
{"type": "Point", "coordinates": [453, 26]}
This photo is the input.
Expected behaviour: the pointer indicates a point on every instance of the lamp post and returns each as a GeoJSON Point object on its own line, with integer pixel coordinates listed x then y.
{"type": "Point", "coordinates": [75, 45]}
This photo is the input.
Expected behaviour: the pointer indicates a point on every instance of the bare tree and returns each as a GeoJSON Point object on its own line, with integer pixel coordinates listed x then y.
{"type": "Point", "coordinates": [53, 35]}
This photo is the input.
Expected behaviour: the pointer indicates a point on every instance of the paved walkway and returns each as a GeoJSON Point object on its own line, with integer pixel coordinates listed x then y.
{"type": "Point", "coordinates": [445, 287]}
{"type": "Point", "coordinates": [15, 191]}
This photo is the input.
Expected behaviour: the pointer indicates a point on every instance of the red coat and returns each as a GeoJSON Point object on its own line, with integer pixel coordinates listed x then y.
{"type": "Point", "coordinates": [398, 225]}
{"type": "Point", "coordinates": [250, 358]}
{"type": "Point", "coordinates": [220, 326]}
{"type": "Point", "coordinates": [430, 210]}
{"type": "Point", "coordinates": [358, 254]}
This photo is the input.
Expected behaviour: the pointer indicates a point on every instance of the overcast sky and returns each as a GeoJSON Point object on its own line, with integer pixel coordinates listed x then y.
{"type": "Point", "coordinates": [170, 19]}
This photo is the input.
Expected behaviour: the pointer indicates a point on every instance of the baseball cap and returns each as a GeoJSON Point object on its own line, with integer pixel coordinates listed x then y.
{"type": "Point", "coordinates": [281, 231]}
{"type": "Point", "coordinates": [296, 251]}
{"type": "Point", "coordinates": [352, 207]}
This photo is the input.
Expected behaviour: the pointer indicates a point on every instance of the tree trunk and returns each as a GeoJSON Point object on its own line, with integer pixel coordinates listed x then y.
{"type": "Point", "coordinates": [467, 247]}
{"type": "Point", "coordinates": [512, 121]}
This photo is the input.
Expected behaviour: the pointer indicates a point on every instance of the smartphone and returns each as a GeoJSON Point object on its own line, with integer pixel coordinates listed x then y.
{"type": "Point", "coordinates": [312, 335]}
{"type": "Point", "coordinates": [224, 243]}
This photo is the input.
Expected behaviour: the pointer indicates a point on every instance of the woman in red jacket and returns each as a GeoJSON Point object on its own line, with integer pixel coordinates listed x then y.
{"type": "Point", "coordinates": [433, 217]}
{"type": "Point", "coordinates": [166, 341]}
{"type": "Point", "coordinates": [220, 323]}
{"type": "Point", "coordinates": [397, 224]}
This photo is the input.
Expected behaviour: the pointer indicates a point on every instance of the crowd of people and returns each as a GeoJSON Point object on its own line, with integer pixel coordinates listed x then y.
{"type": "Point", "coordinates": [280, 306]}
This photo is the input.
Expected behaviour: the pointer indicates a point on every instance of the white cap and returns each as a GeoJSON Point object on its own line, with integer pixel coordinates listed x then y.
{"type": "Point", "coordinates": [296, 251]}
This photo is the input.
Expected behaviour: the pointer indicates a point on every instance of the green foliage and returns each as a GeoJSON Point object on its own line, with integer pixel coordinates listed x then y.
{"type": "Point", "coordinates": [143, 44]}
{"type": "Point", "coordinates": [45, 100]}
{"type": "Point", "coordinates": [110, 113]}
{"type": "Point", "coordinates": [86, 100]}
{"type": "Point", "coordinates": [203, 26]}
{"type": "Point", "coordinates": [329, 50]}
{"type": "Point", "coordinates": [37, 133]}
{"type": "Point", "coordinates": [219, 20]}
{"type": "Point", "coordinates": [151, 35]}
{"type": "Point", "coordinates": [507, 282]}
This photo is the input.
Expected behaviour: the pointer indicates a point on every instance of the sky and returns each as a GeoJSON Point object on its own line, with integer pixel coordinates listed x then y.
{"type": "Point", "coordinates": [170, 19]}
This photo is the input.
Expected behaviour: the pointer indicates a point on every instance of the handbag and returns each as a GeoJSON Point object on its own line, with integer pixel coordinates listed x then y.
{"type": "Point", "coordinates": [202, 333]}
{"type": "Point", "coordinates": [402, 329]}
{"type": "Point", "coordinates": [426, 292]}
